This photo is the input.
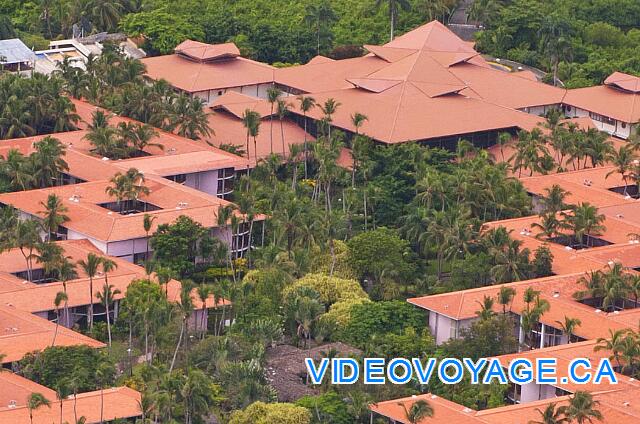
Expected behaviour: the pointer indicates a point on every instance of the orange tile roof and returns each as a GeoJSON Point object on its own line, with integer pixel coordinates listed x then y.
{"type": "Point", "coordinates": [626, 82]}
{"type": "Point", "coordinates": [98, 223]}
{"type": "Point", "coordinates": [21, 333]}
{"type": "Point", "coordinates": [606, 100]}
{"type": "Point", "coordinates": [230, 130]}
{"type": "Point", "coordinates": [15, 390]}
{"type": "Point", "coordinates": [432, 36]}
{"type": "Point", "coordinates": [206, 52]}
{"type": "Point", "coordinates": [119, 402]}
{"type": "Point", "coordinates": [191, 76]}
{"type": "Point", "coordinates": [445, 411]}
{"type": "Point", "coordinates": [33, 298]}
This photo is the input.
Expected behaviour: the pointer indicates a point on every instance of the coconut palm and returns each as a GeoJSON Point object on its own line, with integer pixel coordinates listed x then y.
{"type": "Point", "coordinates": [251, 122]}
{"type": "Point", "coordinates": [48, 161]}
{"type": "Point", "coordinates": [418, 411]}
{"type": "Point", "coordinates": [357, 120]}
{"type": "Point", "coordinates": [53, 215]}
{"type": "Point", "coordinates": [306, 104]}
{"type": "Point", "coordinates": [273, 95]}
{"type": "Point", "coordinates": [204, 291]}
{"type": "Point", "coordinates": [17, 168]}
{"type": "Point", "coordinates": [35, 401]}
{"type": "Point", "coordinates": [26, 238]}
{"type": "Point", "coordinates": [147, 223]}
{"type": "Point", "coordinates": [614, 344]}
{"type": "Point", "coordinates": [582, 408]}
{"type": "Point", "coordinates": [90, 267]}
{"type": "Point", "coordinates": [282, 111]}
{"type": "Point", "coordinates": [61, 297]}
{"type": "Point", "coordinates": [329, 108]}
{"type": "Point", "coordinates": [394, 8]}
{"type": "Point", "coordinates": [66, 271]}
{"type": "Point", "coordinates": [185, 308]}
{"type": "Point", "coordinates": [585, 222]}
{"type": "Point", "coordinates": [505, 297]}
{"type": "Point", "coordinates": [551, 415]}
{"type": "Point", "coordinates": [106, 297]}
{"type": "Point", "coordinates": [320, 16]}
{"type": "Point", "coordinates": [622, 159]}
{"type": "Point", "coordinates": [486, 308]}
{"type": "Point", "coordinates": [568, 327]}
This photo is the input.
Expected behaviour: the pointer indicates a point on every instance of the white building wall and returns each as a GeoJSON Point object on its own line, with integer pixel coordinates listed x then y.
{"type": "Point", "coordinates": [533, 392]}
{"type": "Point", "coordinates": [206, 181]}
{"type": "Point", "coordinates": [618, 129]}
{"type": "Point", "coordinates": [540, 110]}
{"type": "Point", "coordinates": [254, 90]}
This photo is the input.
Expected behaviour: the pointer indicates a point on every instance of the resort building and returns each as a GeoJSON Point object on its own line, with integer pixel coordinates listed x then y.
{"type": "Point", "coordinates": [614, 106]}
{"type": "Point", "coordinates": [208, 71]}
{"type": "Point", "coordinates": [115, 226]}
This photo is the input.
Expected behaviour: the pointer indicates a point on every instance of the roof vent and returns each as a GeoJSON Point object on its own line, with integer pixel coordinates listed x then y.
{"type": "Point", "coordinates": [556, 294]}
{"type": "Point", "coordinates": [568, 248]}
{"type": "Point", "coordinates": [626, 403]}
{"type": "Point", "coordinates": [627, 197]}
{"type": "Point", "coordinates": [183, 204]}
{"type": "Point", "coordinates": [104, 158]}
{"type": "Point", "coordinates": [414, 396]}
{"type": "Point", "coordinates": [598, 311]}
{"type": "Point", "coordinates": [619, 215]}
{"type": "Point", "coordinates": [467, 410]}
{"type": "Point", "coordinates": [12, 404]}
{"type": "Point", "coordinates": [616, 312]}
{"type": "Point", "coordinates": [171, 150]}
{"type": "Point", "coordinates": [434, 397]}
{"type": "Point", "coordinates": [74, 198]}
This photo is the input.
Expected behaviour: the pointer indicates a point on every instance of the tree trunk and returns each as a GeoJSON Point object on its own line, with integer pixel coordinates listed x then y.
{"type": "Point", "coordinates": [175, 353]}
{"type": "Point", "coordinates": [90, 314]}
{"type": "Point", "coordinates": [108, 323]}
{"type": "Point", "coordinates": [306, 174]}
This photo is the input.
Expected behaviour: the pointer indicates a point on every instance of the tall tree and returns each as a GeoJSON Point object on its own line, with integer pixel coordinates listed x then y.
{"type": "Point", "coordinates": [90, 267]}
{"type": "Point", "coordinates": [54, 215]}
{"type": "Point", "coordinates": [394, 7]}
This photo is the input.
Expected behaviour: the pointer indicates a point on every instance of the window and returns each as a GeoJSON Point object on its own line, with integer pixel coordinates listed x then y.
{"type": "Point", "coordinates": [226, 177]}
{"type": "Point", "coordinates": [602, 118]}
{"type": "Point", "coordinates": [241, 240]}
{"type": "Point", "coordinates": [624, 125]}
{"type": "Point", "coordinates": [180, 178]}
{"type": "Point", "coordinates": [220, 93]}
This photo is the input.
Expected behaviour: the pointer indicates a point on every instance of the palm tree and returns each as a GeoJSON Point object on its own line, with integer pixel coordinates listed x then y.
{"type": "Point", "coordinates": [147, 223]}
{"type": "Point", "coordinates": [394, 8]}
{"type": "Point", "coordinates": [251, 122]}
{"type": "Point", "coordinates": [17, 169]}
{"type": "Point", "coordinates": [90, 267]}
{"type": "Point", "coordinates": [35, 401]}
{"type": "Point", "coordinates": [329, 107]}
{"type": "Point", "coordinates": [320, 16]}
{"type": "Point", "coordinates": [551, 415]}
{"type": "Point", "coordinates": [48, 162]}
{"type": "Point", "coordinates": [585, 221]}
{"type": "Point", "coordinates": [505, 297]}
{"type": "Point", "coordinates": [106, 297]}
{"type": "Point", "coordinates": [185, 308]}
{"type": "Point", "coordinates": [187, 117]}
{"type": "Point", "coordinates": [357, 120]}
{"type": "Point", "coordinates": [105, 14]}
{"type": "Point", "coordinates": [568, 326]}
{"type": "Point", "coordinates": [554, 36]}
{"type": "Point", "coordinates": [273, 95]}
{"type": "Point", "coordinates": [54, 215]}
{"type": "Point", "coordinates": [486, 308]}
{"type": "Point", "coordinates": [622, 159]}
{"type": "Point", "coordinates": [224, 217]}
{"type": "Point", "coordinates": [26, 239]}
{"type": "Point", "coordinates": [66, 271]}
{"type": "Point", "coordinates": [282, 110]}
{"type": "Point", "coordinates": [128, 186]}
{"type": "Point", "coordinates": [61, 297]}
{"type": "Point", "coordinates": [582, 408]}
{"type": "Point", "coordinates": [418, 411]}
{"type": "Point", "coordinates": [204, 291]}
{"type": "Point", "coordinates": [614, 344]}
{"type": "Point", "coordinates": [503, 140]}
{"type": "Point", "coordinates": [306, 104]}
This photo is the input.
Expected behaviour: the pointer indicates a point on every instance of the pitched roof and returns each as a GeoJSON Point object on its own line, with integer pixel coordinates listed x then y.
{"type": "Point", "coordinates": [626, 82]}
{"type": "Point", "coordinates": [91, 220]}
{"type": "Point", "coordinates": [444, 411]}
{"type": "Point", "coordinates": [14, 50]}
{"type": "Point", "coordinates": [193, 76]}
{"type": "Point", "coordinates": [203, 52]}
{"type": "Point", "coordinates": [21, 333]}
{"type": "Point", "coordinates": [15, 390]}
{"type": "Point", "coordinates": [618, 98]}
{"type": "Point", "coordinates": [432, 36]}
{"type": "Point", "coordinates": [119, 402]}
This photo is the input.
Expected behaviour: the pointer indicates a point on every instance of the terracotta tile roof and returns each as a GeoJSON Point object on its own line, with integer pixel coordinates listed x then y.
{"type": "Point", "coordinates": [445, 411]}
{"type": "Point", "coordinates": [432, 36]}
{"type": "Point", "coordinates": [557, 290]}
{"type": "Point", "coordinates": [319, 59]}
{"type": "Point", "coordinates": [204, 52]}
{"type": "Point", "coordinates": [21, 333]}
{"type": "Point", "coordinates": [230, 130]}
{"type": "Point", "coordinates": [626, 82]}
{"type": "Point", "coordinates": [98, 223]}
{"type": "Point", "coordinates": [192, 76]}
{"type": "Point", "coordinates": [15, 390]}
{"type": "Point", "coordinates": [119, 402]}
{"type": "Point", "coordinates": [606, 100]}
{"type": "Point", "coordinates": [504, 88]}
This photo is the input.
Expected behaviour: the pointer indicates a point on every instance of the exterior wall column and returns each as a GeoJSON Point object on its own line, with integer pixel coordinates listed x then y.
{"type": "Point", "coordinates": [542, 328]}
